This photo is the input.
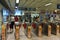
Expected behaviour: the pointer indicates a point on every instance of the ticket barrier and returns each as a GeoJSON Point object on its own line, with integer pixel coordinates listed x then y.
{"type": "Point", "coordinates": [46, 29]}
{"type": "Point", "coordinates": [54, 28]}
{"type": "Point", "coordinates": [33, 28]}
{"type": "Point", "coordinates": [28, 31]}
{"type": "Point", "coordinates": [4, 32]}
{"type": "Point", "coordinates": [37, 29]}
{"type": "Point", "coordinates": [17, 33]}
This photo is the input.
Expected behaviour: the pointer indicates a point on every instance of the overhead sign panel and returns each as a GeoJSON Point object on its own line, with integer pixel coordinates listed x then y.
{"type": "Point", "coordinates": [58, 6]}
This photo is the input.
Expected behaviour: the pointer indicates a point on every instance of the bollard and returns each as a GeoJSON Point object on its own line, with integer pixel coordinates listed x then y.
{"type": "Point", "coordinates": [17, 33]}
{"type": "Point", "coordinates": [57, 30]}
{"type": "Point", "coordinates": [29, 32]}
{"type": "Point", "coordinates": [49, 30]}
{"type": "Point", "coordinates": [3, 32]}
{"type": "Point", "coordinates": [40, 31]}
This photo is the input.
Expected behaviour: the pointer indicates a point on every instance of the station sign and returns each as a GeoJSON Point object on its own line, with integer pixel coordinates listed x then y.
{"type": "Point", "coordinates": [58, 6]}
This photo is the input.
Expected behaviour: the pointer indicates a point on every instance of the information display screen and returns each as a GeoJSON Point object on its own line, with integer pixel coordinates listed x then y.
{"type": "Point", "coordinates": [58, 6]}
{"type": "Point", "coordinates": [5, 12]}
{"type": "Point", "coordinates": [18, 12]}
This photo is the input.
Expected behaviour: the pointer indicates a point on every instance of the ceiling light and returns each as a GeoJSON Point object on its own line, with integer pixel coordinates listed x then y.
{"type": "Point", "coordinates": [55, 10]}
{"type": "Point", "coordinates": [16, 7]}
{"type": "Point", "coordinates": [48, 4]}
{"type": "Point", "coordinates": [17, 1]}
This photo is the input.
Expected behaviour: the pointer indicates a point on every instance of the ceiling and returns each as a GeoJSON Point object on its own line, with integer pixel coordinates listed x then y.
{"type": "Point", "coordinates": [4, 4]}
{"type": "Point", "coordinates": [38, 4]}
{"type": "Point", "coordinates": [1, 6]}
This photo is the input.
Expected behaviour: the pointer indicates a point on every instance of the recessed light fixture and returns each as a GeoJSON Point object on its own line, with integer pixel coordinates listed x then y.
{"type": "Point", "coordinates": [48, 4]}
{"type": "Point", "coordinates": [17, 1]}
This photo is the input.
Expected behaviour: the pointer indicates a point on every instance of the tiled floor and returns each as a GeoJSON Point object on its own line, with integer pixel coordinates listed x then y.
{"type": "Point", "coordinates": [34, 37]}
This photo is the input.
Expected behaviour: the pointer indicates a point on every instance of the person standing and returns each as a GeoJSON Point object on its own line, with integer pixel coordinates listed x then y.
{"type": "Point", "coordinates": [11, 24]}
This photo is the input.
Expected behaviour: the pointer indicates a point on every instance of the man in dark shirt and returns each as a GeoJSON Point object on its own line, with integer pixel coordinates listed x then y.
{"type": "Point", "coordinates": [11, 25]}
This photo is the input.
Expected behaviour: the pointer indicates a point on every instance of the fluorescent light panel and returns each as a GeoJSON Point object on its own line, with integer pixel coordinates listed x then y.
{"type": "Point", "coordinates": [48, 4]}
{"type": "Point", "coordinates": [17, 1]}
